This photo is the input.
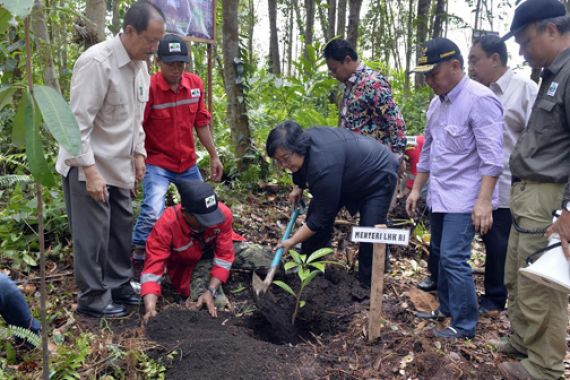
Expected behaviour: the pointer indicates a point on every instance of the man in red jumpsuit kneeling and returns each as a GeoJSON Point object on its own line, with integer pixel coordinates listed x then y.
{"type": "Point", "coordinates": [178, 241]}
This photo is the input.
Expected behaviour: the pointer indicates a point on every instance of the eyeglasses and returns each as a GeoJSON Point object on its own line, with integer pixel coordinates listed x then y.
{"type": "Point", "coordinates": [284, 159]}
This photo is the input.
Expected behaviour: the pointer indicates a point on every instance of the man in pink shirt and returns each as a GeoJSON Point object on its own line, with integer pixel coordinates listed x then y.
{"type": "Point", "coordinates": [463, 157]}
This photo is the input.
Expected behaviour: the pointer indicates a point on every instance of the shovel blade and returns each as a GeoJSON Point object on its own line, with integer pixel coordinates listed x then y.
{"type": "Point", "coordinates": [259, 286]}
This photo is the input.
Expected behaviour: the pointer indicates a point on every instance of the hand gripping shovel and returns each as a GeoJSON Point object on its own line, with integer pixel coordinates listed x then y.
{"type": "Point", "coordinates": [261, 286]}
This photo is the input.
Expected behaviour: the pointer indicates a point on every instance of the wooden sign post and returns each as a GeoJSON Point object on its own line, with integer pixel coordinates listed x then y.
{"type": "Point", "coordinates": [379, 236]}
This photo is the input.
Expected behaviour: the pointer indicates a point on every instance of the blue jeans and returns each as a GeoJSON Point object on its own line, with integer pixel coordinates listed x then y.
{"type": "Point", "coordinates": [13, 306]}
{"type": "Point", "coordinates": [155, 185]}
{"type": "Point", "coordinates": [451, 237]}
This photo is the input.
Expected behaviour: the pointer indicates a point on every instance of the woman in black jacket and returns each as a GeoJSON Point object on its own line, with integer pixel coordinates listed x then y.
{"type": "Point", "coordinates": [340, 169]}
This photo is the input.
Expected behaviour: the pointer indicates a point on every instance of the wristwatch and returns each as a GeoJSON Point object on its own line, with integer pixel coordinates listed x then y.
{"type": "Point", "coordinates": [213, 291]}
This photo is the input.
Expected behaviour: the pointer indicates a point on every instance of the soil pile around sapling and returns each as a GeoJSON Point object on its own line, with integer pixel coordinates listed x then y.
{"type": "Point", "coordinates": [211, 348]}
{"type": "Point", "coordinates": [331, 299]}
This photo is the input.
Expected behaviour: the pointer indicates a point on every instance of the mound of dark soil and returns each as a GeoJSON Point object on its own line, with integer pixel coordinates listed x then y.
{"type": "Point", "coordinates": [217, 348]}
{"type": "Point", "coordinates": [331, 302]}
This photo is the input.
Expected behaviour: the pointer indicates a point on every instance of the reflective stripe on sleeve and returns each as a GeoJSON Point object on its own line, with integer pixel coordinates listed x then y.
{"type": "Point", "coordinates": [222, 263]}
{"type": "Point", "coordinates": [149, 277]}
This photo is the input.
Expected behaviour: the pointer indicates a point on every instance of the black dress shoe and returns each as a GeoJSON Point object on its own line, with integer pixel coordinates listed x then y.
{"type": "Point", "coordinates": [451, 333]}
{"type": "Point", "coordinates": [434, 314]}
{"type": "Point", "coordinates": [110, 311]}
{"type": "Point", "coordinates": [427, 285]}
{"type": "Point", "coordinates": [130, 299]}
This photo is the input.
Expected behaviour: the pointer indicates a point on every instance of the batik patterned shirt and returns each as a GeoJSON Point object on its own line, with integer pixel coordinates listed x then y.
{"type": "Point", "coordinates": [368, 108]}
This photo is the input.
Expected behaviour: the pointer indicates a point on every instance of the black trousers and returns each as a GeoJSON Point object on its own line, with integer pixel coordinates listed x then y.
{"type": "Point", "coordinates": [496, 242]}
{"type": "Point", "coordinates": [373, 210]}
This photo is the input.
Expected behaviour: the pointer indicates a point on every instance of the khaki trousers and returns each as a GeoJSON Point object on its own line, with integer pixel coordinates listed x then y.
{"type": "Point", "coordinates": [538, 314]}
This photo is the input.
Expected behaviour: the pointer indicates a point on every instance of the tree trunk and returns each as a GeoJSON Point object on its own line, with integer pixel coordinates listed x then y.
{"type": "Point", "coordinates": [115, 26]}
{"type": "Point", "coordinates": [421, 34]}
{"type": "Point", "coordinates": [42, 42]}
{"type": "Point", "coordinates": [290, 40]}
{"type": "Point", "coordinates": [409, 43]}
{"type": "Point", "coordinates": [353, 21]}
{"type": "Point", "coordinates": [274, 66]}
{"type": "Point", "coordinates": [341, 20]}
{"type": "Point", "coordinates": [237, 115]}
{"type": "Point", "coordinates": [332, 18]}
{"type": "Point", "coordinates": [310, 20]}
{"type": "Point", "coordinates": [95, 11]}
{"type": "Point", "coordinates": [440, 15]}
{"type": "Point", "coordinates": [477, 15]}
{"type": "Point", "coordinates": [250, 26]}
{"type": "Point", "coordinates": [323, 20]}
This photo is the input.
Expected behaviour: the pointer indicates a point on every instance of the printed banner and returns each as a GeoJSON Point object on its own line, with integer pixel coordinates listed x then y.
{"type": "Point", "coordinates": [193, 18]}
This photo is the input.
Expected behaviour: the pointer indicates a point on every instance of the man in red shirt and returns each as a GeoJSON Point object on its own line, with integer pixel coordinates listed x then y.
{"type": "Point", "coordinates": [196, 244]}
{"type": "Point", "coordinates": [181, 237]}
{"type": "Point", "coordinates": [175, 109]}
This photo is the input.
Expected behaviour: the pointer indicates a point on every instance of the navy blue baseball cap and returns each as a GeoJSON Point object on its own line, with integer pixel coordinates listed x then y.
{"type": "Point", "coordinates": [435, 51]}
{"type": "Point", "coordinates": [199, 199]}
{"type": "Point", "coordinates": [531, 11]}
{"type": "Point", "coordinates": [172, 49]}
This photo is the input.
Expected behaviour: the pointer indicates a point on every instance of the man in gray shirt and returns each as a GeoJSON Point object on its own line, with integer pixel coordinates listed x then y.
{"type": "Point", "coordinates": [540, 169]}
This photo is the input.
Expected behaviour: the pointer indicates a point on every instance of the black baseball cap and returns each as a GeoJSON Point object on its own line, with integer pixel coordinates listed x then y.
{"type": "Point", "coordinates": [435, 51]}
{"type": "Point", "coordinates": [531, 11]}
{"type": "Point", "coordinates": [199, 199]}
{"type": "Point", "coordinates": [172, 49]}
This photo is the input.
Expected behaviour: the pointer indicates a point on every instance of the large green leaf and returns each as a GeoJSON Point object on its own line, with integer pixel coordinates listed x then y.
{"type": "Point", "coordinates": [318, 254]}
{"type": "Point", "coordinates": [58, 118]}
{"type": "Point", "coordinates": [18, 8]}
{"type": "Point", "coordinates": [295, 255]}
{"type": "Point", "coordinates": [285, 287]}
{"type": "Point", "coordinates": [290, 264]}
{"type": "Point", "coordinates": [24, 116]}
{"type": "Point", "coordinates": [34, 148]}
{"type": "Point", "coordinates": [6, 94]}
{"type": "Point", "coordinates": [310, 277]}
{"type": "Point", "coordinates": [320, 266]}
{"type": "Point", "coordinates": [303, 273]}
{"type": "Point", "coordinates": [5, 18]}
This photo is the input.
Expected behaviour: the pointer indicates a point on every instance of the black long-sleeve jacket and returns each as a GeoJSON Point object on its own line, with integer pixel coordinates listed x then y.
{"type": "Point", "coordinates": [341, 168]}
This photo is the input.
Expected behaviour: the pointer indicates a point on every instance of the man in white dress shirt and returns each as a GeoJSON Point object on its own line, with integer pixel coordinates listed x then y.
{"type": "Point", "coordinates": [488, 65]}
{"type": "Point", "coordinates": [109, 91]}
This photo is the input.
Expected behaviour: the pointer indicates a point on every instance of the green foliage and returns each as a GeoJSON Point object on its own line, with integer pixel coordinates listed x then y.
{"type": "Point", "coordinates": [5, 18]}
{"type": "Point", "coordinates": [18, 8]}
{"type": "Point", "coordinates": [58, 118]}
{"type": "Point", "coordinates": [18, 225]}
{"type": "Point", "coordinates": [22, 333]}
{"type": "Point", "coordinates": [149, 368]}
{"type": "Point", "coordinates": [70, 358]}
{"type": "Point", "coordinates": [413, 103]}
{"type": "Point", "coordinates": [307, 267]}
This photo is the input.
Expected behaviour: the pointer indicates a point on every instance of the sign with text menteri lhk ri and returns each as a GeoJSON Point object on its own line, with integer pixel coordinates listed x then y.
{"type": "Point", "coordinates": [394, 236]}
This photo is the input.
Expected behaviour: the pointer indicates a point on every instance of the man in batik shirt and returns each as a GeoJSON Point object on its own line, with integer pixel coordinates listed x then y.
{"type": "Point", "coordinates": [367, 106]}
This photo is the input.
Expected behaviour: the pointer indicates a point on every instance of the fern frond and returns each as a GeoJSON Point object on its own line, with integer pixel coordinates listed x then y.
{"type": "Point", "coordinates": [10, 180]}
{"type": "Point", "coordinates": [21, 333]}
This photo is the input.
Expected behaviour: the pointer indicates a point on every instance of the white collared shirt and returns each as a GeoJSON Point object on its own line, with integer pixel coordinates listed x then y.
{"type": "Point", "coordinates": [109, 92]}
{"type": "Point", "coordinates": [517, 94]}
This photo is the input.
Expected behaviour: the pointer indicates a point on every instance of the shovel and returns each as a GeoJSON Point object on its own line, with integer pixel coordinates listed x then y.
{"type": "Point", "coordinates": [261, 286]}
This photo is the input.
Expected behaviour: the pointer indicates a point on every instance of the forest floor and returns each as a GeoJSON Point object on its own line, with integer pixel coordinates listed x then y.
{"type": "Point", "coordinates": [254, 339]}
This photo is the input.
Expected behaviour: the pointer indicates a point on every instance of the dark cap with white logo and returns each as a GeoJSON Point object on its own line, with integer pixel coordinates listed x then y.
{"type": "Point", "coordinates": [172, 49]}
{"type": "Point", "coordinates": [199, 199]}
{"type": "Point", "coordinates": [530, 11]}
